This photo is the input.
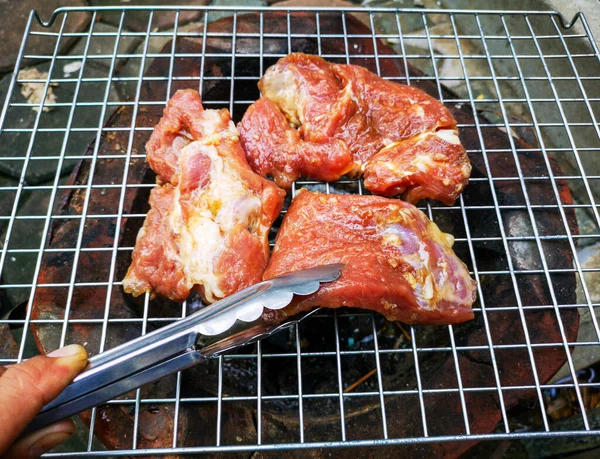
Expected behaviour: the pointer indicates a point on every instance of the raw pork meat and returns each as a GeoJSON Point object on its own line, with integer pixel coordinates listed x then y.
{"type": "Point", "coordinates": [397, 261]}
{"type": "Point", "coordinates": [209, 221]}
{"type": "Point", "coordinates": [337, 119]}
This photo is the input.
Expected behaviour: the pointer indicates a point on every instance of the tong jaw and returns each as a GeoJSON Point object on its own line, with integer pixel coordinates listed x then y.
{"type": "Point", "coordinates": [278, 293]}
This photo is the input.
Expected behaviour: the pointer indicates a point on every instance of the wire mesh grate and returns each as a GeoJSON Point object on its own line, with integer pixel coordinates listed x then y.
{"type": "Point", "coordinates": [527, 227]}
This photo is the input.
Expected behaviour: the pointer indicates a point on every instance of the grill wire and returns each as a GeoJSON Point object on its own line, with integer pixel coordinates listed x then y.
{"type": "Point", "coordinates": [580, 134]}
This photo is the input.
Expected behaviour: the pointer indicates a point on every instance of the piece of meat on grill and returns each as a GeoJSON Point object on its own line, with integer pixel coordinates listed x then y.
{"type": "Point", "coordinates": [184, 120]}
{"type": "Point", "coordinates": [428, 165]}
{"type": "Point", "coordinates": [208, 232]}
{"type": "Point", "coordinates": [274, 148]}
{"type": "Point", "coordinates": [393, 111]}
{"type": "Point", "coordinates": [355, 108]}
{"type": "Point", "coordinates": [397, 262]}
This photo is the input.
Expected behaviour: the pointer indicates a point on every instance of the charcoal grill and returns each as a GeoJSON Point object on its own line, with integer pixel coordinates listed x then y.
{"type": "Point", "coordinates": [528, 118]}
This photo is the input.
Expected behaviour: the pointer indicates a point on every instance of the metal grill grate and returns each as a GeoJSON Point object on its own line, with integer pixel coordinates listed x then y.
{"type": "Point", "coordinates": [526, 73]}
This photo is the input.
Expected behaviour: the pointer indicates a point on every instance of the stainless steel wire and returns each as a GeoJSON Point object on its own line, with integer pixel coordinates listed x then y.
{"type": "Point", "coordinates": [524, 49]}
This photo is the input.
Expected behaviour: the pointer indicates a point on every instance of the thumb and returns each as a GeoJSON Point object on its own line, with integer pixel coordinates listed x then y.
{"type": "Point", "coordinates": [26, 387]}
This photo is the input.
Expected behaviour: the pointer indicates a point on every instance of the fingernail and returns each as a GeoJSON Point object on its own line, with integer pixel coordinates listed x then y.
{"type": "Point", "coordinates": [43, 440]}
{"type": "Point", "coordinates": [67, 351]}
{"type": "Point", "coordinates": [48, 442]}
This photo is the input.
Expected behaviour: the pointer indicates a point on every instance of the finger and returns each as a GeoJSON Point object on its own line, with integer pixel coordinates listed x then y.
{"type": "Point", "coordinates": [25, 388]}
{"type": "Point", "coordinates": [42, 441]}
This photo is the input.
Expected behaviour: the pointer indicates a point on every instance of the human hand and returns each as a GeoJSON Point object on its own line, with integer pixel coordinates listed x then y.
{"type": "Point", "coordinates": [24, 389]}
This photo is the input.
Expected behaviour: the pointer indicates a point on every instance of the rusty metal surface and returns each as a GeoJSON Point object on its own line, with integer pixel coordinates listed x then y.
{"type": "Point", "coordinates": [8, 345]}
{"type": "Point", "coordinates": [114, 423]}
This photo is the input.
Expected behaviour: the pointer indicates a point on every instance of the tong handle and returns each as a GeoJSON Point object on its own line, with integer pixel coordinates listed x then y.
{"type": "Point", "coordinates": [124, 366]}
{"type": "Point", "coordinates": [174, 347]}
{"type": "Point", "coordinates": [115, 389]}
{"type": "Point", "coordinates": [145, 351]}
{"type": "Point", "coordinates": [54, 412]}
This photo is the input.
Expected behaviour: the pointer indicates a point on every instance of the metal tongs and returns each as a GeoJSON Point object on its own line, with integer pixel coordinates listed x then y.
{"type": "Point", "coordinates": [227, 324]}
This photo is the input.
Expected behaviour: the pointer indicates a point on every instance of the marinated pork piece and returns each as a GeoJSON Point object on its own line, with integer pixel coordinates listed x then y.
{"type": "Point", "coordinates": [397, 262]}
{"type": "Point", "coordinates": [208, 225]}
{"type": "Point", "coordinates": [276, 149]}
{"type": "Point", "coordinates": [156, 266]}
{"type": "Point", "coordinates": [428, 165]}
{"type": "Point", "coordinates": [360, 111]}
{"type": "Point", "coordinates": [184, 120]}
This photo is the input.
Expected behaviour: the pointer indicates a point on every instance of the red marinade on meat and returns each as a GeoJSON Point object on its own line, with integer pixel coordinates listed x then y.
{"type": "Point", "coordinates": [397, 261]}
{"type": "Point", "coordinates": [342, 119]}
{"type": "Point", "coordinates": [210, 217]}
